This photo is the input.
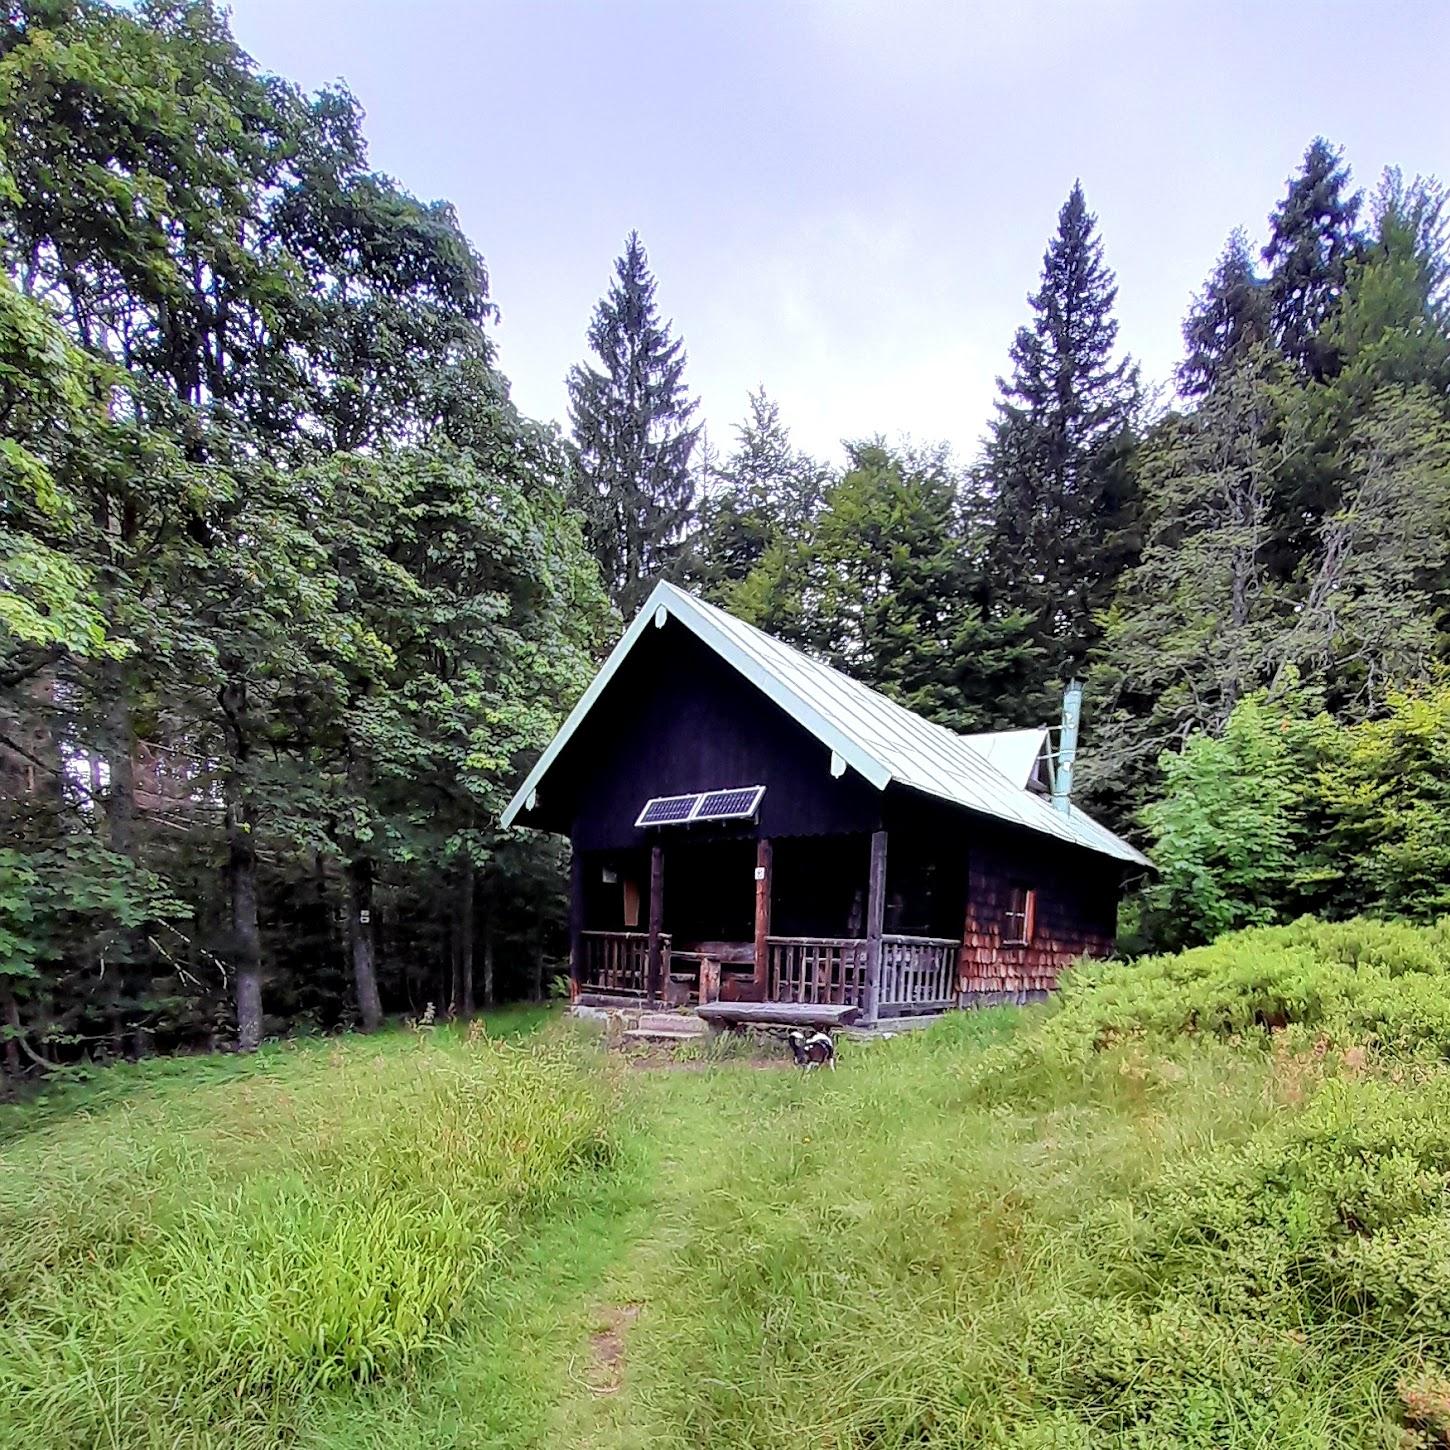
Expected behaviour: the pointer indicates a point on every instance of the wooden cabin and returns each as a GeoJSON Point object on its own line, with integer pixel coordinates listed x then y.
{"type": "Point", "coordinates": [751, 825]}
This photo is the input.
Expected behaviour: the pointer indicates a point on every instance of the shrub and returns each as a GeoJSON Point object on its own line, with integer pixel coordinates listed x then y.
{"type": "Point", "coordinates": [1388, 981]}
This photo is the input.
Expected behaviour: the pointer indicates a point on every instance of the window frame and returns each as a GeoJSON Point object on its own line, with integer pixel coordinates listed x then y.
{"type": "Point", "coordinates": [1021, 908]}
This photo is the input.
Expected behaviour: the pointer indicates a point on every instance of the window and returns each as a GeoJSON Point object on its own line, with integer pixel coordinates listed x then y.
{"type": "Point", "coordinates": [1019, 917]}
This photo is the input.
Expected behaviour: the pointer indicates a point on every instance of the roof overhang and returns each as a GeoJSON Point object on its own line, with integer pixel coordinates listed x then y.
{"type": "Point", "coordinates": [957, 770]}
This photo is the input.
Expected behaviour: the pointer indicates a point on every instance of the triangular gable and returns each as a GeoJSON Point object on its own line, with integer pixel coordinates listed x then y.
{"type": "Point", "coordinates": [1014, 752]}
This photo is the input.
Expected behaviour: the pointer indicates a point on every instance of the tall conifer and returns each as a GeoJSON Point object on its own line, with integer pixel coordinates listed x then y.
{"type": "Point", "coordinates": [1057, 463]}
{"type": "Point", "coordinates": [633, 435]}
{"type": "Point", "coordinates": [1226, 320]}
{"type": "Point", "coordinates": [1312, 240]}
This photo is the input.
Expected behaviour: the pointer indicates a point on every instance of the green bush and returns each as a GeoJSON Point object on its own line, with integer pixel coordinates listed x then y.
{"type": "Point", "coordinates": [194, 1268]}
{"type": "Point", "coordinates": [1385, 981]}
{"type": "Point", "coordinates": [1144, 1218]}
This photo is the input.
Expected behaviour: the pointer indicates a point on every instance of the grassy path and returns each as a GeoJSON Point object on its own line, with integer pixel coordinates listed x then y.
{"type": "Point", "coordinates": [543, 1359]}
{"type": "Point", "coordinates": [679, 1113]}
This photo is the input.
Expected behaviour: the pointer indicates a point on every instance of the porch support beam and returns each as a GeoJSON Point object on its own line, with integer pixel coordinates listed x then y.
{"type": "Point", "coordinates": [655, 966]}
{"type": "Point", "coordinates": [763, 861]}
{"type": "Point", "coordinates": [875, 921]}
{"type": "Point", "coordinates": [576, 923]}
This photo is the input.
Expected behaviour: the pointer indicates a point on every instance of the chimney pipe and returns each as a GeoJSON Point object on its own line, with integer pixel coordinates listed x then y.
{"type": "Point", "coordinates": [1067, 746]}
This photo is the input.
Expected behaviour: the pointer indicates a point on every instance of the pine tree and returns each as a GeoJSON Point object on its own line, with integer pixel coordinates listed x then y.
{"type": "Point", "coordinates": [1227, 318]}
{"type": "Point", "coordinates": [1058, 459]}
{"type": "Point", "coordinates": [1392, 327]}
{"type": "Point", "coordinates": [633, 436]}
{"type": "Point", "coordinates": [1312, 240]}
{"type": "Point", "coordinates": [764, 492]}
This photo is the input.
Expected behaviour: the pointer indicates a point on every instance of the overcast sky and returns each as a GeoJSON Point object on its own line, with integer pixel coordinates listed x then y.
{"type": "Point", "coordinates": [846, 201]}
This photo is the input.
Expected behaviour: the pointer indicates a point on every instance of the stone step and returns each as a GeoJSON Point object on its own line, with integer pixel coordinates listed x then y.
{"type": "Point", "coordinates": [675, 1023]}
{"type": "Point", "coordinates": [660, 1034]}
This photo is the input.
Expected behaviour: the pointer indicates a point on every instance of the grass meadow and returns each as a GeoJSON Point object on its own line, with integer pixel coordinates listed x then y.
{"type": "Point", "coordinates": [1207, 1204]}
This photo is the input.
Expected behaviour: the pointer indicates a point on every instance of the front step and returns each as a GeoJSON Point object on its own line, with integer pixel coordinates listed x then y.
{"type": "Point", "coordinates": [661, 1035]}
{"type": "Point", "coordinates": [669, 1024]}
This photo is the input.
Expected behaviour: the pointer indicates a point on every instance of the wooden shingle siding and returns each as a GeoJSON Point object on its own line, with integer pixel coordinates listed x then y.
{"type": "Point", "coordinates": [1074, 915]}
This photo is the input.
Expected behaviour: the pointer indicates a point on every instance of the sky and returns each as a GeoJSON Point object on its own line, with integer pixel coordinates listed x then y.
{"type": "Point", "coordinates": [846, 201]}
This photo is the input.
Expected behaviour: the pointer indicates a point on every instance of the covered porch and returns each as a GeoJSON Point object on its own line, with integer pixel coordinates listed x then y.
{"type": "Point", "coordinates": [820, 920]}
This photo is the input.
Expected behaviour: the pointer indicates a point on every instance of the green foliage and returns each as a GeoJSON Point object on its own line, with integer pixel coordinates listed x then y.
{"type": "Point", "coordinates": [1228, 319]}
{"type": "Point", "coordinates": [237, 1251]}
{"type": "Point", "coordinates": [70, 900]}
{"type": "Point", "coordinates": [1296, 509]}
{"type": "Point", "coordinates": [287, 586]}
{"type": "Point", "coordinates": [761, 499]}
{"type": "Point", "coordinates": [1312, 244]}
{"type": "Point", "coordinates": [1382, 982]}
{"type": "Point", "coordinates": [1234, 821]}
{"type": "Point", "coordinates": [1094, 1233]}
{"type": "Point", "coordinates": [886, 582]}
{"type": "Point", "coordinates": [1191, 626]}
{"type": "Point", "coordinates": [1385, 788]}
{"type": "Point", "coordinates": [1288, 811]}
{"type": "Point", "coordinates": [1198, 1203]}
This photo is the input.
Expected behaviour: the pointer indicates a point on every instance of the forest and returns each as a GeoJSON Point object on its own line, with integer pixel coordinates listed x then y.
{"type": "Point", "coordinates": [291, 592]}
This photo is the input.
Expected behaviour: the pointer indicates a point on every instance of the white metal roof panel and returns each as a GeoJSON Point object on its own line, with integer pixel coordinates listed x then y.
{"type": "Point", "coordinates": [878, 738]}
{"type": "Point", "coordinates": [1013, 752]}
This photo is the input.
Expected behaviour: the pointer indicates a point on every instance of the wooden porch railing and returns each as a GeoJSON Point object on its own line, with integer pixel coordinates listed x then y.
{"type": "Point", "coordinates": [617, 962]}
{"type": "Point", "coordinates": [816, 969]}
{"type": "Point", "coordinates": [918, 972]}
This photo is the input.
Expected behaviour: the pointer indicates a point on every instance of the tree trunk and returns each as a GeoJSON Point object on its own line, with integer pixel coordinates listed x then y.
{"type": "Point", "coordinates": [11, 1010]}
{"type": "Point", "coordinates": [455, 980]}
{"type": "Point", "coordinates": [121, 754]}
{"type": "Point", "coordinates": [241, 869]}
{"type": "Point", "coordinates": [488, 987]}
{"type": "Point", "coordinates": [120, 832]}
{"type": "Point", "coordinates": [360, 906]}
{"type": "Point", "coordinates": [465, 939]}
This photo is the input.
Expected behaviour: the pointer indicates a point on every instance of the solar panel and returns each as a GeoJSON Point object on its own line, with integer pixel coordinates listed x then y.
{"type": "Point", "coordinates": [668, 810]}
{"type": "Point", "coordinates": [738, 804]}
{"type": "Point", "coordinates": [729, 805]}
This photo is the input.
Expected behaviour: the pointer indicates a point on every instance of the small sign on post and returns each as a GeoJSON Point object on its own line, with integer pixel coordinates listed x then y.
{"type": "Point", "coordinates": [760, 873]}
{"type": "Point", "coordinates": [365, 916]}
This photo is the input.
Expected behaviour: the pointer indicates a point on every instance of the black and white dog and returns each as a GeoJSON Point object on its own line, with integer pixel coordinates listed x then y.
{"type": "Point", "coordinates": [817, 1050]}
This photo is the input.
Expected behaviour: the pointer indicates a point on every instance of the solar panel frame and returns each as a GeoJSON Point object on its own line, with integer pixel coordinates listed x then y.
{"type": "Point", "coordinates": [735, 803]}
{"type": "Point", "coordinates": [739, 803]}
{"type": "Point", "coordinates": [655, 813]}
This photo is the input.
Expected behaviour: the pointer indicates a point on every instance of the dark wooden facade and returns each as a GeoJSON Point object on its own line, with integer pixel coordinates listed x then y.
{"type": "Point", "coordinates": [837, 891]}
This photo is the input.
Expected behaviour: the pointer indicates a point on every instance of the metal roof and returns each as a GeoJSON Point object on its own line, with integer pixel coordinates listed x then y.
{"type": "Point", "coordinates": [879, 739]}
{"type": "Point", "coordinates": [1013, 752]}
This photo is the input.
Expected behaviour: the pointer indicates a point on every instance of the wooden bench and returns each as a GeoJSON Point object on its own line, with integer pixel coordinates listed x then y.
{"type": "Point", "coordinates": [819, 1015]}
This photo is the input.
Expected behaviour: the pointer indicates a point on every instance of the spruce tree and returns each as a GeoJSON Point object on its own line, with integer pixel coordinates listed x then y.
{"type": "Point", "coordinates": [765, 491]}
{"type": "Point", "coordinates": [1312, 240]}
{"type": "Point", "coordinates": [1057, 463]}
{"type": "Point", "coordinates": [1230, 316]}
{"type": "Point", "coordinates": [633, 436]}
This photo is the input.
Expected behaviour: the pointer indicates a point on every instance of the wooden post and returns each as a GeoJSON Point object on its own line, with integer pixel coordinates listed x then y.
{"type": "Point", "coordinates": [763, 856]}
{"type": "Point", "coordinates": [875, 918]}
{"type": "Point", "coordinates": [576, 923]}
{"type": "Point", "coordinates": [709, 980]}
{"type": "Point", "coordinates": [654, 972]}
